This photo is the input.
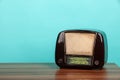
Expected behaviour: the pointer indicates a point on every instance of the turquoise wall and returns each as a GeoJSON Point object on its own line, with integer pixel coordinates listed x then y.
{"type": "Point", "coordinates": [28, 28]}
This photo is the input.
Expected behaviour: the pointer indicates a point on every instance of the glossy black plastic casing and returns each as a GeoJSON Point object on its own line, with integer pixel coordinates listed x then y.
{"type": "Point", "coordinates": [99, 57]}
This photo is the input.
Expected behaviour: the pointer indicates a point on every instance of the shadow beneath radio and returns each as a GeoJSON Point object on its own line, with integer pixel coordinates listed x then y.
{"type": "Point", "coordinates": [78, 74]}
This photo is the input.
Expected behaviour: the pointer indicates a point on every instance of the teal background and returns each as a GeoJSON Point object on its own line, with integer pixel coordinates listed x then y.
{"type": "Point", "coordinates": [28, 28]}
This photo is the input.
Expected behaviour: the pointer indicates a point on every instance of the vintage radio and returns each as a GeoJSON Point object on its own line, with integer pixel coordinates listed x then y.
{"type": "Point", "coordinates": [81, 49]}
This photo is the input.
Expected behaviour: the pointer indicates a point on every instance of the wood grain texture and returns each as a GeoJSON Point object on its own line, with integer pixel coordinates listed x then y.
{"type": "Point", "coordinates": [49, 71]}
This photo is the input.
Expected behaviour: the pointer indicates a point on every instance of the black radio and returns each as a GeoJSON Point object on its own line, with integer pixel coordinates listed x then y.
{"type": "Point", "coordinates": [81, 49]}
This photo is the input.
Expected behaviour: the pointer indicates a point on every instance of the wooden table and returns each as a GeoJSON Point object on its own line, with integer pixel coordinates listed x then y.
{"type": "Point", "coordinates": [49, 71]}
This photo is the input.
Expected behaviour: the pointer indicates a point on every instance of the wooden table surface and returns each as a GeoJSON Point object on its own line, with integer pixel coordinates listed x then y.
{"type": "Point", "coordinates": [49, 71]}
